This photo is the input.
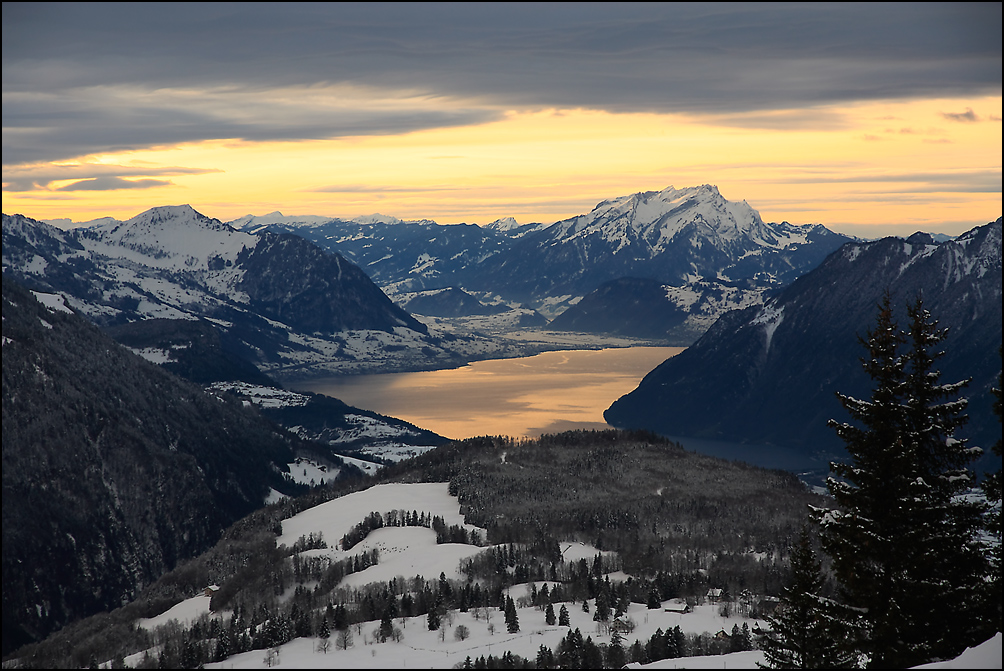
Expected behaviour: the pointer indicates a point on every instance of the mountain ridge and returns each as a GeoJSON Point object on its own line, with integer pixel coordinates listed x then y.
{"type": "Point", "coordinates": [676, 236]}
{"type": "Point", "coordinates": [767, 374]}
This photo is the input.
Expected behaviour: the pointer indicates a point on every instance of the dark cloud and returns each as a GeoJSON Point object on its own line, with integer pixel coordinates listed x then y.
{"type": "Point", "coordinates": [966, 117]}
{"type": "Point", "coordinates": [90, 177]}
{"type": "Point", "coordinates": [114, 184]}
{"type": "Point", "coordinates": [82, 78]}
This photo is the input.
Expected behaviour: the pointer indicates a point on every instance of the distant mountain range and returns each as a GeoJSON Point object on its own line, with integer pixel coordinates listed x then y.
{"type": "Point", "coordinates": [768, 373]}
{"type": "Point", "coordinates": [690, 237]}
{"type": "Point", "coordinates": [277, 300]}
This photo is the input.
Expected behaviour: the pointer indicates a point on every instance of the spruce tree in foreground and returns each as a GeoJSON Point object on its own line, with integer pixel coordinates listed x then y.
{"type": "Point", "coordinates": [801, 636]}
{"type": "Point", "coordinates": [992, 489]}
{"type": "Point", "coordinates": [904, 549]}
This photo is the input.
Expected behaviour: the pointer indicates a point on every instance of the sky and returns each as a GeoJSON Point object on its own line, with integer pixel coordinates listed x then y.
{"type": "Point", "coordinates": [869, 118]}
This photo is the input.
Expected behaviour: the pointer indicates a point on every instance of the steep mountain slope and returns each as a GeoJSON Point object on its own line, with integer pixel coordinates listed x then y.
{"type": "Point", "coordinates": [279, 301]}
{"type": "Point", "coordinates": [768, 373]}
{"type": "Point", "coordinates": [113, 469]}
{"type": "Point", "coordinates": [644, 308]}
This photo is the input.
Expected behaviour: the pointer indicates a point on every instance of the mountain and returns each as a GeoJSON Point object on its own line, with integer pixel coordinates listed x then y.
{"type": "Point", "coordinates": [114, 470]}
{"type": "Point", "coordinates": [190, 348]}
{"type": "Point", "coordinates": [678, 237]}
{"type": "Point", "coordinates": [279, 301]}
{"type": "Point", "coordinates": [399, 256]}
{"type": "Point", "coordinates": [448, 302]}
{"type": "Point", "coordinates": [644, 308]}
{"type": "Point", "coordinates": [767, 374]}
{"type": "Point", "coordinates": [674, 235]}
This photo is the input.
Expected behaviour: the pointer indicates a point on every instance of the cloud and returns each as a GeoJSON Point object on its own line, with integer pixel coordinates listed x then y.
{"type": "Point", "coordinates": [113, 183]}
{"type": "Point", "coordinates": [968, 181]}
{"type": "Point", "coordinates": [93, 78]}
{"type": "Point", "coordinates": [359, 188]}
{"type": "Point", "coordinates": [966, 117]}
{"type": "Point", "coordinates": [91, 177]}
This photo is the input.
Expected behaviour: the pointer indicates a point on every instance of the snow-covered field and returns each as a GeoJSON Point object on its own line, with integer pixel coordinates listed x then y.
{"type": "Point", "coordinates": [411, 551]}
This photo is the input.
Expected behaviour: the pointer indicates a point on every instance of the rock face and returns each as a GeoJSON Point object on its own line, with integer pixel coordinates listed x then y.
{"type": "Point", "coordinates": [767, 374]}
{"type": "Point", "coordinates": [114, 470]}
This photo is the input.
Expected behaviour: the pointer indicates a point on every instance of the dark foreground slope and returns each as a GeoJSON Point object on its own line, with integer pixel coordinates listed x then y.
{"type": "Point", "coordinates": [113, 469]}
{"type": "Point", "coordinates": [768, 374]}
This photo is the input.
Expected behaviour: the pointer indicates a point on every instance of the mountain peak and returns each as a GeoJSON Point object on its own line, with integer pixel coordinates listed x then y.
{"type": "Point", "coordinates": [377, 218]}
{"type": "Point", "coordinates": [175, 234]}
{"type": "Point", "coordinates": [660, 215]}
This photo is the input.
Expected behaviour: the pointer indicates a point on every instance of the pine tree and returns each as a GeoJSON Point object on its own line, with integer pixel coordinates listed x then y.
{"type": "Point", "coordinates": [511, 618]}
{"type": "Point", "coordinates": [992, 489]}
{"type": "Point", "coordinates": [800, 636]}
{"type": "Point", "coordinates": [549, 615]}
{"type": "Point", "coordinates": [947, 563]}
{"type": "Point", "coordinates": [563, 618]}
{"type": "Point", "coordinates": [903, 551]}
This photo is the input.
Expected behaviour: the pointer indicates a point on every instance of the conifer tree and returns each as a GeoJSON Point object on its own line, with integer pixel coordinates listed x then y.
{"type": "Point", "coordinates": [800, 635]}
{"type": "Point", "coordinates": [903, 550]}
{"type": "Point", "coordinates": [992, 489]}
{"type": "Point", "coordinates": [563, 618]}
{"type": "Point", "coordinates": [511, 618]}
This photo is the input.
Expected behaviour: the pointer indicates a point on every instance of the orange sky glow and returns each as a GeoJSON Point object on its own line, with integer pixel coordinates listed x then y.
{"type": "Point", "coordinates": [860, 168]}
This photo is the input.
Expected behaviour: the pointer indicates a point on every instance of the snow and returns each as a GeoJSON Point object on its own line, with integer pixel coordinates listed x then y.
{"type": "Point", "coordinates": [770, 318]}
{"type": "Point", "coordinates": [410, 551]}
{"type": "Point", "coordinates": [335, 518]}
{"type": "Point", "coordinates": [54, 302]}
{"type": "Point", "coordinates": [265, 397]}
{"type": "Point", "coordinates": [152, 354]}
{"type": "Point", "coordinates": [986, 655]}
{"type": "Point", "coordinates": [407, 552]}
{"type": "Point", "coordinates": [184, 613]}
{"type": "Point", "coordinates": [306, 471]}
{"type": "Point", "coordinates": [733, 660]}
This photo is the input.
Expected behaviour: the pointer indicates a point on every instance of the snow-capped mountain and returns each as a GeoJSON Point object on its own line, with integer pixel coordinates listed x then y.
{"type": "Point", "coordinates": [279, 300]}
{"type": "Point", "coordinates": [675, 236]}
{"type": "Point", "coordinates": [767, 374]}
{"type": "Point", "coordinates": [401, 258]}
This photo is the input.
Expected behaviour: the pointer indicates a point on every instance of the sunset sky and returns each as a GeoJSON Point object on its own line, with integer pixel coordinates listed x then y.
{"type": "Point", "coordinates": [871, 119]}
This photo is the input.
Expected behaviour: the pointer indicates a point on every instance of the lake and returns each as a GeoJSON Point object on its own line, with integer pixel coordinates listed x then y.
{"type": "Point", "coordinates": [527, 396]}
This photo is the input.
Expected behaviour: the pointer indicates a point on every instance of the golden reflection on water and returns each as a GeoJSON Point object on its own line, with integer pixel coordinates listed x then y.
{"type": "Point", "coordinates": [546, 393]}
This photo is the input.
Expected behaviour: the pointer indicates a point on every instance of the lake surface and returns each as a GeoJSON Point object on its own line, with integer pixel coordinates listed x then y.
{"type": "Point", "coordinates": [527, 396]}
